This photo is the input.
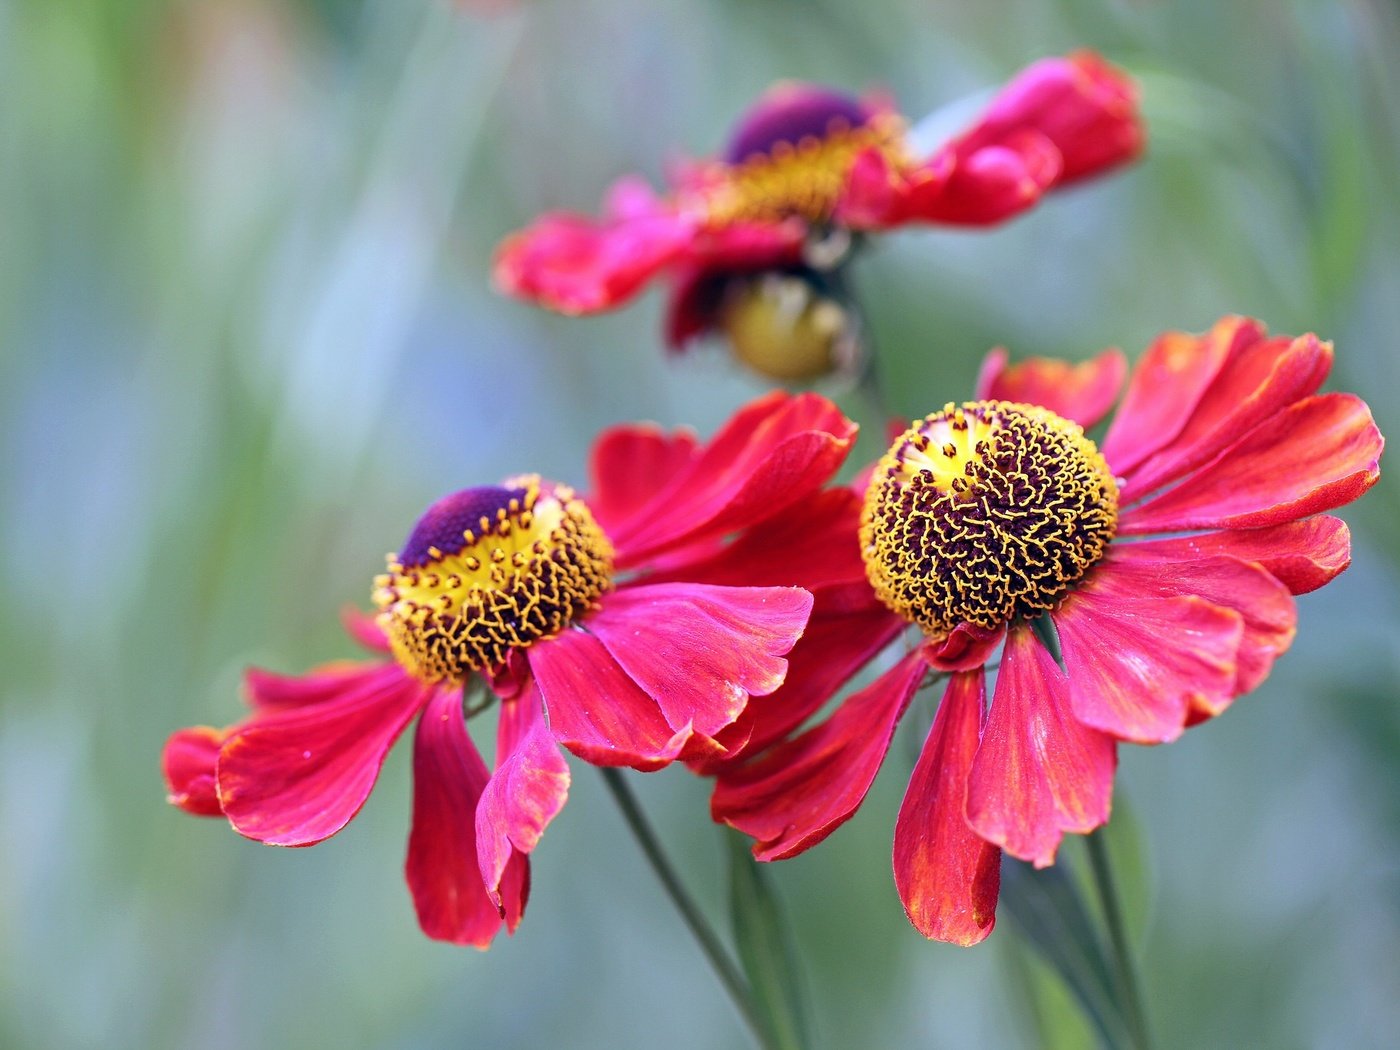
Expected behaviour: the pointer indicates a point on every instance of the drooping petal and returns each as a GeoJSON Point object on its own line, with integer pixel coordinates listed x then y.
{"type": "Point", "coordinates": [577, 265]}
{"type": "Point", "coordinates": [1038, 773]}
{"type": "Point", "coordinates": [838, 642]}
{"type": "Point", "coordinates": [1317, 454]}
{"type": "Point", "coordinates": [527, 791]}
{"type": "Point", "coordinates": [773, 452]}
{"type": "Point", "coordinates": [1262, 379]}
{"type": "Point", "coordinates": [297, 776]}
{"type": "Point", "coordinates": [1139, 661]}
{"type": "Point", "coordinates": [441, 869]}
{"type": "Point", "coordinates": [701, 651]}
{"type": "Point", "coordinates": [1302, 555]}
{"type": "Point", "coordinates": [629, 464]}
{"type": "Point", "coordinates": [1081, 392]}
{"type": "Point", "coordinates": [1263, 602]}
{"type": "Point", "coordinates": [804, 789]}
{"type": "Point", "coordinates": [948, 877]}
{"type": "Point", "coordinates": [365, 629]}
{"type": "Point", "coordinates": [268, 690]}
{"type": "Point", "coordinates": [187, 761]}
{"type": "Point", "coordinates": [596, 710]}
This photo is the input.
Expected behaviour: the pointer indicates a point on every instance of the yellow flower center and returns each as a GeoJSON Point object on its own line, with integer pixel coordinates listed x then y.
{"type": "Point", "coordinates": [985, 513]}
{"type": "Point", "coordinates": [489, 570]}
{"type": "Point", "coordinates": [805, 179]}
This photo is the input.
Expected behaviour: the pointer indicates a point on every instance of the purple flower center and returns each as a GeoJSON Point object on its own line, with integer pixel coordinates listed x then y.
{"type": "Point", "coordinates": [444, 525]}
{"type": "Point", "coordinates": [788, 114]}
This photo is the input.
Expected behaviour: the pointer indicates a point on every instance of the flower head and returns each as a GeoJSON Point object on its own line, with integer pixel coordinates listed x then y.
{"type": "Point", "coordinates": [806, 169]}
{"type": "Point", "coordinates": [614, 615]}
{"type": "Point", "coordinates": [1160, 562]}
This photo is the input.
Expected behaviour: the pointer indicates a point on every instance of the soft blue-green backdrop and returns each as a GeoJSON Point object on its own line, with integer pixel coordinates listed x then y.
{"type": "Point", "coordinates": [246, 334]}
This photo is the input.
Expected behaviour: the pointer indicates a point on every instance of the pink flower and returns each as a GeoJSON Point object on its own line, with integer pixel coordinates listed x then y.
{"type": "Point", "coordinates": [805, 167]}
{"type": "Point", "coordinates": [1165, 561]}
{"type": "Point", "coordinates": [603, 625]}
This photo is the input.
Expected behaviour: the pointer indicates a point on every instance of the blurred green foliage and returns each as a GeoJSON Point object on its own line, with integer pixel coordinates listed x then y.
{"type": "Point", "coordinates": [246, 334]}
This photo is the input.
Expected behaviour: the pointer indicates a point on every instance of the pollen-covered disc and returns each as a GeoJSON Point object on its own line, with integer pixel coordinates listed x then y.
{"type": "Point", "coordinates": [985, 513]}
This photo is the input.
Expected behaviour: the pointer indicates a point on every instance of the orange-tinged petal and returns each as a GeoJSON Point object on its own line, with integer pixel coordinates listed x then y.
{"type": "Point", "coordinates": [1166, 386]}
{"type": "Point", "coordinates": [947, 876]}
{"type": "Point", "coordinates": [187, 762]}
{"type": "Point", "coordinates": [1138, 661]}
{"type": "Point", "coordinates": [1038, 772]}
{"type": "Point", "coordinates": [1317, 454]}
{"type": "Point", "coordinates": [1262, 380]}
{"type": "Point", "coordinates": [1302, 555]}
{"type": "Point", "coordinates": [1082, 392]}
{"type": "Point", "coordinates": [806, 788]}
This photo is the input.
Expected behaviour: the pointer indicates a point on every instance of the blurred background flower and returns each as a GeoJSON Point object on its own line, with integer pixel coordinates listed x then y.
{"type": "Point", "coordinates": [245, 277]}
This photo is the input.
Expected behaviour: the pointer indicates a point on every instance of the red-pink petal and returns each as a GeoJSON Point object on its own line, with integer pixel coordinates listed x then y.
{"type": "Point", "coordinates": [772, 453]}
{"type": "Point", "coordinates": [803, 790]}
{"type": "Point", "coordinates": [988, 184]}
{"type": "Point", "coordinates": [1260, 381]}
{"type": "Point", "coordinates": [1166, 386]}
{"type": "Point", "coordinates": [365, 629]}
{"type": "Point", "coordinates": [596, 710]}
{"type": "Point", "coordinates": [187, 762]}
{"type": "Point", "coordinates": [296, 776]}
{"type": "Point", "coordinates": [1138, 660]}
{"type": "Point", "coordinates": [1317, 454]}
{"type": "Point", "coordinates": [965, 648]}
{"type": "Point", "coordinates": [1268, 611]}
{"type": "Point", "coordinates": [442, 871]}
{"type": "Point", "coordinates": [814, 544]}
{"type": "Point", "coordinates": [268, 690]}
{"type": "Point", "coordinates": [702, 651]}
{"type": "Point", "coordinates": [1302, 555]}
{"type": "Point", "coordinates": [527, 791]}
{"type": "Point", "coordinates": [838, 642]}
{"type": "Point", "coordinates": [577, 265]}
{"type": "Point", "coordinates": [1086, 108]}
{"type": "Point", "coordinates": [1038, 773]}
{"type": "Point", "coordinates": [976, 187]}
{"type": "Point", "coordinates": [876, 192]}
{"type": "Point", "coordinates": [947, 876]}
{"type": "Point", "coordinates": [629, 464]}
{"type": "Point", "coordinates": [1081, 392]}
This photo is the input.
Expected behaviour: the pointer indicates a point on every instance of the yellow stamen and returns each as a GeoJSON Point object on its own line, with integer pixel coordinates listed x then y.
{"type": "Point", "coordinates": [805, 180]}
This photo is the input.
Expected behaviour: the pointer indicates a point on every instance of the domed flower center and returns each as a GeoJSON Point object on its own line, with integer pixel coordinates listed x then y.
{"type": "Point", "coordinates": [986, 513]}
{"type": "Point", "coordinates": [488, 570]}
{"type": "Point", "coordinates": [791, 156]}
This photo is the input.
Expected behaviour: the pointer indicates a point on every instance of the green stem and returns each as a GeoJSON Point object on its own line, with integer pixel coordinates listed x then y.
{"type": "Point", "coordinates": [714, 949]}
{"type": "Point", "coordinates": [1124, 970]}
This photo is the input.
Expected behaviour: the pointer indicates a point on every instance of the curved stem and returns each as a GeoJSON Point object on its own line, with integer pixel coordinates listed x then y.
{"type": "Point", "coordinates": [1124, 970]}
{"type": "Point", "coordinates": [714, 949]}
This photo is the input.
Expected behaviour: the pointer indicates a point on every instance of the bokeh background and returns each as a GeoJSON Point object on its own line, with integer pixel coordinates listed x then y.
{"type": "Point", "coordinates": [247, 333]}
